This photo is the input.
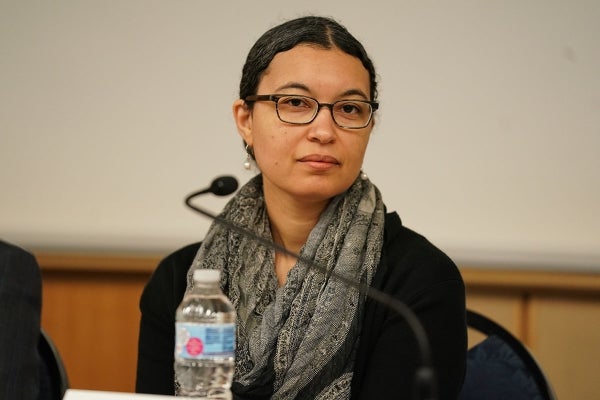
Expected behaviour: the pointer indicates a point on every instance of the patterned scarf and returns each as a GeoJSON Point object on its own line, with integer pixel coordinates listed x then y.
{"type": "Point", "coordinates": [298, 340]}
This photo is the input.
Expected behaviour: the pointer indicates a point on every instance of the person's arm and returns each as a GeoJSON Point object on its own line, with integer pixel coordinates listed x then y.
{"type": "Point", "coordinates": [20, 307]}
{"type": "Point", "coordinates": [428, 282]}
{"type": "Point", "coordinates": [158, 303]}
{"type": "Point", "coordinates": [394, 355]}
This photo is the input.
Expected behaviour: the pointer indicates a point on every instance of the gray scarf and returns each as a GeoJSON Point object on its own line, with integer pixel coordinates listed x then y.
{"type": "Point", "coordinates": [299, 340]}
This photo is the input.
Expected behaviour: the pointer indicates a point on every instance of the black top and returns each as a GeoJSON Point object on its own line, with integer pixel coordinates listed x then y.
{"type": "Point", "coordinates": [411, 269]}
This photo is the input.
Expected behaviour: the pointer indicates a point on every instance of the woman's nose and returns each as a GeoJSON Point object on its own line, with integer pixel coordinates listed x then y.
{"type": "Point", "coordinates": [323, 127]}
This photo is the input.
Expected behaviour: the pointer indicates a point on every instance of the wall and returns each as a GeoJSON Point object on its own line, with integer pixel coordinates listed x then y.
{"type": "Point", "coordinates": [486, 140]}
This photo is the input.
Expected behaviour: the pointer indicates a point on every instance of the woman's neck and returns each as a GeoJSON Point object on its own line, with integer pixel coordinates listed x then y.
{"type": "Point", "coordinates": [291, 223]}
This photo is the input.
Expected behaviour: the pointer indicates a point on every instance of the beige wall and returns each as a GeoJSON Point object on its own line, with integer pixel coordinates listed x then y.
{"type": "Point", "coordinates": [486, 140]}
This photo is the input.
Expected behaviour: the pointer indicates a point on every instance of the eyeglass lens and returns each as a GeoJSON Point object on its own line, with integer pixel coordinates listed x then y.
{"type": "Point", "coordinates": [303, 110]}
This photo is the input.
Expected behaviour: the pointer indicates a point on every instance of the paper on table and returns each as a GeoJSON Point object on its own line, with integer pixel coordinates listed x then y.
{"type": "Point", "coordinates": [77, 394]}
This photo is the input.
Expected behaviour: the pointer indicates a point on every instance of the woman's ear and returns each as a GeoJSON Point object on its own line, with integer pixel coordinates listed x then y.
{"type": "Point", "coordinates": [243, 120]}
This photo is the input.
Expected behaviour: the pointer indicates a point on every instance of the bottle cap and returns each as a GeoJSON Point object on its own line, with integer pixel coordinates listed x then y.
{"type": "Point", "coordinates": [207, 275]}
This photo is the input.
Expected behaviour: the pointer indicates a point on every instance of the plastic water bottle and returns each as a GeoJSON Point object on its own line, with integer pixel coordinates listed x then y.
{"type": "Point", "coordinates": [205, 340]}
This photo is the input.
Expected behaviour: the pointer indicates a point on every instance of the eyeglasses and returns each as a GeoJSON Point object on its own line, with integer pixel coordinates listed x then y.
{"type": "Point", "coordinates": [302, 110]}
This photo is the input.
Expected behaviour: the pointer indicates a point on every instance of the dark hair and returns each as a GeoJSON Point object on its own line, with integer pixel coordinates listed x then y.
{"type": "Point", "coordinates": [320, 31]}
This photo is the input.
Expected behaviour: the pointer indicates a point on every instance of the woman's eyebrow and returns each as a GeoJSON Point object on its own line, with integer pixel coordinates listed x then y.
{"type": "Point", "coordinates": [294, 85]}
{"type": "Point", "coordinates": [355, 92]}
{"type": "Point", "coordinates": [301, 86]}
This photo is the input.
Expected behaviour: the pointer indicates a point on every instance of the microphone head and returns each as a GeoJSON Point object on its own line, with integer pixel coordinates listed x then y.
{"type": "Point", "coordinates": [223, 185]}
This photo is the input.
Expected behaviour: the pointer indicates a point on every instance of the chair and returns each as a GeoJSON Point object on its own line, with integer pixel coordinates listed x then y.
{"type": "Point", "coordinates": [501, 367]}
{"type": "Point", "coordinates": [53, 375]}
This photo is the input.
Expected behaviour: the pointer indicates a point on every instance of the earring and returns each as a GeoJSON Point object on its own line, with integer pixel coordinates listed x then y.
{"type": "Point", "coordinates": [248, 162]}
{"type": "Point", "coordinates": [363, 176]}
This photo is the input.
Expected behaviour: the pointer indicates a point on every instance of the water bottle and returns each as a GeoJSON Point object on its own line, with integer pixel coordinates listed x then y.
{"type": "Point", "coordinates": [205, 340]}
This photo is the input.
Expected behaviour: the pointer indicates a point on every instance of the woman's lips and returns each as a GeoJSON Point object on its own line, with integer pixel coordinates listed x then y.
{"type": "Point", "coordinates": [320, 162]}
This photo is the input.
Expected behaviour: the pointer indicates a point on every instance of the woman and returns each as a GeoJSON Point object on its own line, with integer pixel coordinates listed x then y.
{"type": "Point", "coordinates": [305, 113]}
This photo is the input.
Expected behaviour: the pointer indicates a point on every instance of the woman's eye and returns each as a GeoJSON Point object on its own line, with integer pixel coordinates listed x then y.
{"type": "Point", "coordinates": [349, 108]}
{"type": "Point", "coordinates": [294, 102]}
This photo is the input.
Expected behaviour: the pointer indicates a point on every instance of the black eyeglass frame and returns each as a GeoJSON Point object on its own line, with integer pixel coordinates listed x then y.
{"type": "Point", "coordinates": [275, 99]}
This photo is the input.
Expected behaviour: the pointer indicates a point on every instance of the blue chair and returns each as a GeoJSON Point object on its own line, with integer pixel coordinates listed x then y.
{"type": "Point", "coordinates": [501, 367]}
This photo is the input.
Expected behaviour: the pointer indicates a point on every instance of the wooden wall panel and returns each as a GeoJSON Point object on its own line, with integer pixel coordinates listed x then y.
{"type": "Point", "coordinates": [94, 321]}
{"type": "Point", "coordinates": [565, 334]}
{"type": "Point", "coordinates": [504, 308]}
{"type": "Point", "coordinates": [92, 315]}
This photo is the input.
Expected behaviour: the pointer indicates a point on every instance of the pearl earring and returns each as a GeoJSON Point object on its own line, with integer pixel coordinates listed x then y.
{"type": "Point", "coordinates": [363, 176]}
{"type": "Point", "coordinates": [248, 162]}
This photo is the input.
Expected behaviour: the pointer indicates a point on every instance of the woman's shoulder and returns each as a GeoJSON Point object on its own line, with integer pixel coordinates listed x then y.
{"type": "Point", "coordinates": [410, 260]}
{"type": "Point", "coordinates": [175, 265]}
{"type": "Point", "coordinates": [180, 258]}
{"type": "Point", "coordinates": [407, 245]}
{"type": "Point", "coordinates": [169, 280]}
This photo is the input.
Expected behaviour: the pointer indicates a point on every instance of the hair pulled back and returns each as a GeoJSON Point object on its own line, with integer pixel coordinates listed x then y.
{"type": "Point", "coordinates": [315, 30]}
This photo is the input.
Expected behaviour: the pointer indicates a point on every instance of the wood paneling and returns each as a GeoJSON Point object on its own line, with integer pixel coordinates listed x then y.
{"type": "Point", "coordinates": [90, 309]}
{"type": "Point", "coordinates": [505, 308]}
{"type": "Point", "coordinates": [565, 334]}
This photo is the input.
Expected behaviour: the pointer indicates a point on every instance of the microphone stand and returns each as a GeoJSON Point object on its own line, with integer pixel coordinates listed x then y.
{"type": "Point", "coordinates": [425, 380]}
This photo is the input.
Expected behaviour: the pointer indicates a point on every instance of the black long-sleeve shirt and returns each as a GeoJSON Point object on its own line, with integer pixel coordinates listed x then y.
{"type": "Point", "coordinates": [411, 269]}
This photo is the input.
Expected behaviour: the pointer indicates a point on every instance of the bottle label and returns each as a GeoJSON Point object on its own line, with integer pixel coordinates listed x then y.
{"type": "Point", "coordinates": [202, 341]}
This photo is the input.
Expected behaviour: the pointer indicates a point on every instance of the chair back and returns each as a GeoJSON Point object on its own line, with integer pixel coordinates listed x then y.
{"type": "Point", "coordinates": [53, 375]}
{"type": "Point", "coordinates": [501, 367]}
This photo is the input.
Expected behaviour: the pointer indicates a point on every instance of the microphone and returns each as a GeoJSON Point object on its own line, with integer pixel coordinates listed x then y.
{"type": "Point", "coordinates": [425, 380]}
{"type": "Point", "coordinates": [221, 186]}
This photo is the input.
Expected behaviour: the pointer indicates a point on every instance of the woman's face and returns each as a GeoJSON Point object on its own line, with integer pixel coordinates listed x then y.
{"type": "Point", "coordinates": [316, 161]}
